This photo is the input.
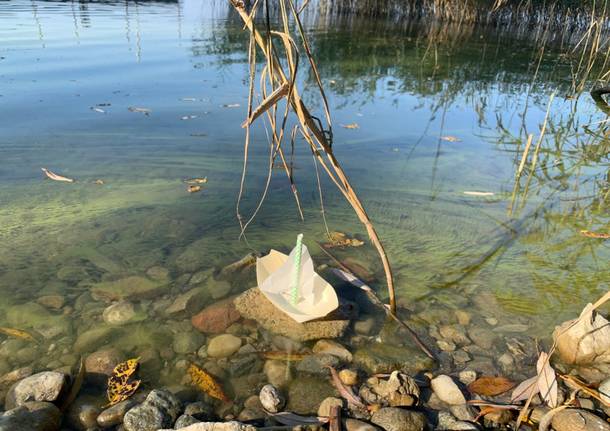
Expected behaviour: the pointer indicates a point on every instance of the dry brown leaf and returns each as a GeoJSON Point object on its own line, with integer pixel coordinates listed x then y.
{"type": "Point", "coordinates": [547, 380]}
{"type": "Point", "coordinates": [193, 189]}
{"type": "Point", "coordinates": [350, 126]}
{"type": "Point", "coordinates": [203, 180]}
{"type": "Point", "coordinates": [206, 383]}
{"type": "Point", "coordinates": [597, 235]}
{"type": "Point", "coordinates": [525, 389]}
{"type": "Point", "coordinates": [17, 333]}
{"type": "Point", "coordinates": [490, 386]}
{"type": "Point", "coordinates": [53, 176]}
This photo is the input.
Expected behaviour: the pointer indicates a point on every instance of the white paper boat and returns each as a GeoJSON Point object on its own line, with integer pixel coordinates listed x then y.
{"type": "Point", "coordinates": [315, 298]}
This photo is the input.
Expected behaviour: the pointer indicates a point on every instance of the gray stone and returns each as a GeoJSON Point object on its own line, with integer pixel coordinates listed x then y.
{"type": "Point", "coordinates": [454, 333]}
{"type": "Point", "coordinates": [146, 417]}
{"type": "Point", "coordinates": [484, 338]}
{"type": "Point", "coordinates": [223, 345]}
{"type": "Point", "coordinates": [130, 288]}
{"type": "Point", "coordinates": [396, 419]}
{"type": "Point", "coordinates": [317, 364]}
{"type": "Point", "coordinates": [400, 390]}
{"type": "Point", "coordinates": [278, 373]}
{"type": "Point", "coordinates": [271, 399]}
{"type": "Point", "coordinates": [327, 404]}
{"type": "Point", "coordinates": [200, 410]}
{"type": "Point", "coordinates": [253, 304]}
{"type": "Point", "coordinates": [45, 386]}
{"type": "Point", "coordinates": [119, 313]}
{"type": "Point", "coordinates": [384, 358]}
{"type": "Point", "coordinates": [187, 342]}
{"type": "Point", "coordinates": [447, 422]}
{"type": "Point", "coordinates": [18, 374]}
{"type": "Point", "coordinates": [166, 401]}
{"type": "Point", "coordinates": [216, 426]}
{"type": "Point", "coordinates": [114, 415]}
{"type": "Point", "coordinates": [357, 425]}
{"type": "Point", "coordinates": [92, 338]}
{"type": "Point", "coordinates": [286, 344]}
{"type": "Point", "coordinates": [184, 421]}
{"type": "Point", "coordinates": [307, 393]}
{"type": "Point", "coordinates": [578, 420]}
{"type": "Point", "coordinates": [103, 362]}
{"type": "Point", "coordinates": [83, 413]}
{"type": "Point", "coordinates": [331, 347]}
{"type": "Point", "coordinates": [446, 389]}
{"type": "Point", "coordinates": [31, 416]}
{"type": "Point", "coordinates": [189, 302]}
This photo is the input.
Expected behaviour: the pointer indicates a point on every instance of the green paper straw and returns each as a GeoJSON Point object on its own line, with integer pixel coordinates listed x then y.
{"type": "Point", "coordinates": [296, 275]}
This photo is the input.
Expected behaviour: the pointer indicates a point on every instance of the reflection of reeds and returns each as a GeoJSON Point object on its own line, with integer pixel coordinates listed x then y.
{"type": "Point", "coordinates": [279, 85]}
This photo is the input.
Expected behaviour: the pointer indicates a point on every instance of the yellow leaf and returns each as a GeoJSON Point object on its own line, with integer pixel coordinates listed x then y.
{"type": "Point", "coordinates": [17, 333]}
{"type": "Point", "coordinates": [597, 235]}
{"type": "Point", "coordinates": [206, 383]}
{"type": "Point", "coordinates": [119, 387]}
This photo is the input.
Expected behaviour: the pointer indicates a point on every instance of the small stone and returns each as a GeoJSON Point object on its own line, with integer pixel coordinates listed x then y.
{"type": "Point", "coordinates": [129, 288]}
{"type": "Point", "coordinates": [114, 415]}
{"type": "Point", "coordinates": [460, 357]}
{"type": "Point", "coordinates": [357, 425]}
{"type": "Point", "coordinates": [454, 333]}
{"type": "Point", "coordinates": [467, 376]}
{"type": "Point", "coordinates": [578, 420]}
{"type": "Point", "coordinates": [396, 419]}
{"type": "Point", "coordinates": [13, 376]}
{"type": "Point", "coordinates": [491, 321]}
{"type": "Point", "coordinates": [604, 390]}
{"type": "Point", "coordinates": [364, 325]}
{"type": "Point", "coordinates": [83, 413]}
{"type": "Point", "coordinates": [119, 313]}
{"type": "Point", "coordinates": [278, 372]}
{"type": "Point", "coordinates": [223, 346]}
{"type": "Point", "coordinates": [93, 338]}
{"type": "Point", "coordinates": [348, 377]}
{"type": "Point", "coordinates": [199, 410]}
{"type": "Point", "coordinates": [446, 389]}
{"type": "Point", "coordinates": [331, 347]}
{"type": "Point", "coordinates": [586, 403]}
{"type": "Point", "coordinates": [103, 361]}
{"type": "Point", "coordinates": [306, 393]}
{"type": "Point", "coordinates": [447, 422]}
{"type": "Point", "coordinates": [31, 416]}
{"type": "Point", "coordinates": [484, 338]}
{"type": "Point", "coordinates": [158, 273]}
{"type": "Point", "coordinates": [506, 363]}
{"type": "Point", "coordinates": [54, 302]}
{"type": "Point", "coordinates": [187, 342]}
{"type": "Point", "coordinates": [271, 399]}
{"type": "Point", "coordinates": [184, 421]}
{"type": "Point", "coordinates": [463, 317]}
{"type": "Point", "coordinates": [317, 364]}
{"type": "Point", "coordinates": [446, 346]}
{"type": "Point", "coordinates": [285, 344]}
{"type": "Point", "coordinates": [216, 318]}
{"type": "Point", "coordinates": [327, 404]}
{"type": "Point", "coordinates": [45, 386]}
{"type": "Point", "coordinates": [188, 302]}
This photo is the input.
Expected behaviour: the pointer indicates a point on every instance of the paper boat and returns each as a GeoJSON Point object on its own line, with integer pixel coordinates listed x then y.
{"type": "Point", "coordinates": [313, 298]}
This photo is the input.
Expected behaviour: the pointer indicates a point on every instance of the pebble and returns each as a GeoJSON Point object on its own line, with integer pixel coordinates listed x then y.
{"type": "Point", "coordinates": [331, 347]}
{"type": "Point", "coordinates": [506, 362]}
{"type": "Point", "coordinates": [31, 416]}
{"type": "Point", "coordinates": [348, 377]}
{"type": "Point", "coordinates": [454, 333]}
{"type": "Point", "coordinates": [446, 346]}
{"type": "Point", "coordinates": [187, 342]}
{"type": "Point", "coordinates": [318, 363]}
{"type": "Point", "coordinates": [216, 318]}
{"type": "Point", "coordinates": [491, 321]}
{"type": "Point", "coordinates": [396, 419]}
{"type": "Point", "coordinates": [271, 399]}
{"type": "Point", "coordinates": [461, 357]}
{"type": "Point", "coordinates": [278, 372]}
{"type": "Point", "coordinates": [447, 422]}
{"type": "Point", "coordinates": [52, 301]}
{"type": "Point", "coordinates": [463, 317]}
{"type": "Point", "coordinates": [199, 410]}
{"type": "Point", "coordinates": [45, 386]}
{"type": "Point", "coordinates": [499, 417]}
{"type": "Point", "coordinates": [446, 390]}
{"type": "Point", "coordinates": [467, 376]}
{"type": "Point", "coordinates": [358, 425]}
{"type": "Point", "coordinates": [223, 346]}
{"type": "Point", "coordinates": [184, 421]}
{"type": "Point", "coordinates": [604, 390]}
{"type": "Point", "coordinates": [114, 415]}
{"type": "Point", "coordinates": [218, 426]}
{"type": "Point", "coordinates": [13, 376]}
{"type": "Point", "coordinates": [103, 361]}
{"type": "Point", "coordinates": [482, 337]}
{"type": "Point", "coordinates": [327, 404]}
{"type": "Point", "coordinates": [578, 420]}
{"type": "Point", "coordinates": [188, 302]}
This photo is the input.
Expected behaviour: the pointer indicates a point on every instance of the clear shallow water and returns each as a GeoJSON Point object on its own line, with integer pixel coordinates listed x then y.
{"type": "Point", "coordinates": [449, 250]}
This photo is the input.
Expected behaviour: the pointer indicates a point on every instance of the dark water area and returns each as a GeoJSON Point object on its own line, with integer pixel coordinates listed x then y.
{"type": "Point", "coordinates": [439, 113]}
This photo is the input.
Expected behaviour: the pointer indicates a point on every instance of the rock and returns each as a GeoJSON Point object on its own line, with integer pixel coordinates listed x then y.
{"type": "Point", "coordinates": [31, 416]}
{"type": "Point", "coordinates": [348, 377]}
{"type": "Point", "coordinates": [271, 399]}
{"type": "Point", "coordinates": [317, 364]}
{"type": "Point", "coordinates": [396, 419]}
{"type": "Point", "coordinates": [578, 420]}
{"type": "Point", "coordinates": [114, 415]}
{"type": "Point", "coordinates": [379, 358]}
{"type": "Point", "coordinates": [499, 417]}
{"type": "Point", "coordinates": [365, 326]}
{"type": "Point", "coordinates": [216, 318]}
{"type": "Point", "coordinates": [328, 404]}
{"type": "Point", "coordinates": [245, 262]}
{"type": "Point", "coordinates": [130, 288]}
{"type": "Point", "coordinates": [187, 342]}
{"type": "Point", "coordinates": [119, 313]}
{"type": "Point", "coordinates": [460, 357]}
{"type": "Point", "coordinates": [331, 347]}
{"type": "Point", "coordinates": [54, 302]}
{"type": "Point", "coordinates": [400, 390]}
{"type": "Point", "coordinates": [188, 302]}
{"type": "Point", "coordinates": [158, 273]}
{"type": "Point", "coordinates": [463, 412]}
{"type": "Point", "coordinates": [103, 362]}
{"type": "Point", "coordinates": [307, 393]}
{"type": "Point", "coordinates": [463, 317]}
{"type": "Point", "coordinates": [446, 389]}
{"type": "Point", "coordinates": [506, 363]}
{"type": "Point", "coordinates": [45, 386]}
{"type": "Point", "coordinates": [223, 345]}
{"type": "Point", "coordinates": [356, 425]}
{"type": "Point", "coordinates": [253, 304]}
{"type": "Point", "coordinates": [200, 410]}
{"type": "Point", "coordinates": [446, 346]}
{"type": "Point", "coordinates": [160, 410]}
{"type": "Point", "coordinates": [83, 413]}
{"type": "Point", "coordinates": [446, 422]}
{"type": "Point", "coordinates": [18, 374]}
{"type": "Point", "coordinates": [286, 344]}
{"type": "Point", "coordinates": [184, 421]}
{"type": "Point", "coordinates": [604, 390]}
{"type": "Point", "coordinates": [93, 338]}
{"type": "Point", "coordinates": [37, 317]}
{"type": "Point", "coordinates": [218, 288]}
{"type": "Point", "coordinates": [278, 372]}
{"type": "Point", "coordinates": [585, 342]}
{"type": "Point", "coordinates": [455, 334]}
{"type": "Point", "coordinates": [217, 426]}
{"type": "Point", "coordinates": [484, 338]}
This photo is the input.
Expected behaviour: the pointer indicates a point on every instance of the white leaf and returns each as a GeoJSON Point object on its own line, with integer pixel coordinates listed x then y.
{"type": "Point", "coordinates": [547, 381]}
{"type": "Point", "coordinates": [525, 389]}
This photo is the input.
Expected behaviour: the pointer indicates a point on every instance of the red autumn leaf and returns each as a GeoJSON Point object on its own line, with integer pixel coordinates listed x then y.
{"type": "Point", "coordinates": [490, 386]}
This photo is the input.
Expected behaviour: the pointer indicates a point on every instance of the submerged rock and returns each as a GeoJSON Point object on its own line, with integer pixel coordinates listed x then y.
{"type": "Point", "coordinates": [88, 340]}
{"type": "Point", "coordinates": [278, 373]}
{"type": "Point", "coordinates": [114, 415]}
{"type": "Point", "coordinates": [131, 288]}
{"type": "Point", "coordinates": [223, 345]}
{"type": "Point", "coordinates": [578, 420]}
{"type": "Point", "coordinates": [31, 416]}
{"type": "Point", "coordinates": [216, 318]}
{"type": "Point", "coordinates": [83, 413]}
{"type": "Point", "coordinates": [317, 364]}
{"type": "Point", "coordinates": [271, 399]}
{"type": "Point", "coordinates": [396, 419]}
{"type": "Point", "coordinates": [386, 358]}
{"type": "Point", "coordinates": [216, 426]}
{"type": "Point", "coordinates": [307, 393]}
{"type": "Point", "coordinates": [400, 390]}
{"type": "Point", "coordinates": [358, 425]}
{"type": "Point", "coordinates": [187, 342]}
{"type": "Point", "coordinates": [160, 410]}
{"type": "Point", "coordinates": [331, 347]}
{"type": "Point", "coordinates": [447, 422]}
{"type": "Point", "coordinates": [253, 304]}
{"type": "Point", "coordinates": [189, 302]}
{"type": "Point", "coordinates": [327, 405]}
{"type": "Point", "coordinates": [45, 386]}
{"type": "Point", "coordinates": [119, 313]}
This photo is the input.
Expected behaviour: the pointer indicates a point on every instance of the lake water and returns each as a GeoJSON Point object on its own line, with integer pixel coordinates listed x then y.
{"type": "Point", "coordinates": [438, 116]}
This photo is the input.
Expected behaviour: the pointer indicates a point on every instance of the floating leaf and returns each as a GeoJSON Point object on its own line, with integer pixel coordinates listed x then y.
{"type": "Point", "coordinates": [206, 383]}
{"type": "Point", "coordinates": [525, 389]}
{"type": "Point", "coordinates": [547, 380]}
{"type": "Point", "coordinates": [144, 111]}
{"type": "Point", "coordinates": [339, 239]}
{"type": "Point", "coordinates": [196, 180]}
{"type": "Point", "coordinates": [17, 333]}
{"type": "Point", "coordinates": [490, 386]}
{"type": "Point", "coordinates": [53, 176]}
{"type": "Point", "coordinates": [284, 356]}
{"type": "Point", "coordinates": [350, 126]}
{"type": "Point", "coordinates": [232, 105]}
{"type": "Point", "coordinates": [119, 386]}
{"type": "Point", "coordinates": [451, 138]}
{"type": "Point", "coordinates": [597, 235]}
{"type": "Point", "coordinates": [193, 189]}
{"type": "Point", "coordinates": [475, 193]}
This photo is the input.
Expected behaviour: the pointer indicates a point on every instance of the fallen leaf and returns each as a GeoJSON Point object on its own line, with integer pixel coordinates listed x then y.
{"type": "Point", "coordinates": [596, 235]}
{"type": "Point", "coordinates": [144, 111]}
{"type": "Point", "coordinates": [490, 386]}
{"type": "Point", "coordinates": [53, 176]}
{"type": "Point", "coordinates": [206, 383]}
{"type": "Point", "coordinates": [17, 333]}
{"type": "Point", "coordinates": [350, 126]}
{"type": "Point", "coordinates": [339, 239]}
{"type": "Point", "coordinates": [119, 386]}
{"type": "Point", "coordinates": [451, 138]}
{"type": "Point", "coordinates": [547, 380]}
{"type": "Point", "coordinates": [474, 193]}
{"type": "Point", "coordinates": [486, 410]}
{"type": "Point", "coordinates": [193, 189]}
{"type": "Point", "coordinates": [524, 390]}
{"type": "Point", "coordinates": [580, 385]}
{"type": "Point", "coordinates": [196, 180]}
{"type": "Point", "coordinates": [96, 109]}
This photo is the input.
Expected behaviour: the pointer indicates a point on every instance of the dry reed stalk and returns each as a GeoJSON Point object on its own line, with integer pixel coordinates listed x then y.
{"type": "Point", "coordinates": [273, 75]}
